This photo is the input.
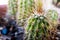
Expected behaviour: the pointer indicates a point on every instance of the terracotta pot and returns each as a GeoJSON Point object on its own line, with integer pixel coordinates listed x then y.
{"type": "Point", "coordinates": [3, 10]}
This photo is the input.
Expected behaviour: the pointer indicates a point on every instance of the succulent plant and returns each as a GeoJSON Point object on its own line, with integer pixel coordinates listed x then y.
{"type": "Point", "coordinates": [52, 15]}
{"type": "Point", "coordinates": [38, 28]}
{"type": "Point", "coordinates": [39, 5]}
{"type": "Point", "coordinates": [26, 8]}
{"type": "Point", "coordinates": [12, 6]}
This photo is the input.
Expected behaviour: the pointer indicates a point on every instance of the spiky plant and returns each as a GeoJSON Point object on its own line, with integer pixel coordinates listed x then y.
{"type": "Point", "coordinates": [12, 7]}
{"type": "Point", "coordinates": [26, 8]}
{"type": "Point", "coordinates": [52, 15]}
{"type": "Point", "coordinates": [38, 28]}
{"type": "Point", "coordinates": [38, 6]}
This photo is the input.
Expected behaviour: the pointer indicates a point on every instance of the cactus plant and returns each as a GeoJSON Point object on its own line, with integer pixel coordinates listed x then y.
{"type": "Point", "coordinates": [25, 9]}
{"type": "Point", "coordinates": [12, 7]}
{"type": "Point", "coordinates": [37, 28]}
{"type": "Point", "coordinates": [52, 16]}
{"type": "Point", "coordinates": [38, 6]}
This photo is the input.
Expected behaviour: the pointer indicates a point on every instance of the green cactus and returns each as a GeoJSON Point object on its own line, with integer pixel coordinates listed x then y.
{"type": "Point", "coordinates": [12, 7]}
{"type": "Point", "coordinates": [52, 16]}
{"type": "Point", "coordinates": [26, 8]}
{"type": "Point", "coordinates": [37, 28]}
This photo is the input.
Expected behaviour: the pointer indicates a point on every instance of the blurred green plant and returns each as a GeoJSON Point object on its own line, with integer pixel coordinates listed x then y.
{"type": "Point", "coordinates": [12, 7]}
{"type": "Point", "coordinates": [26, 8]}
{"type": "Point", "coordinates": [52, 15]}
{"type": "Point", "coordinates": [38, 28]}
